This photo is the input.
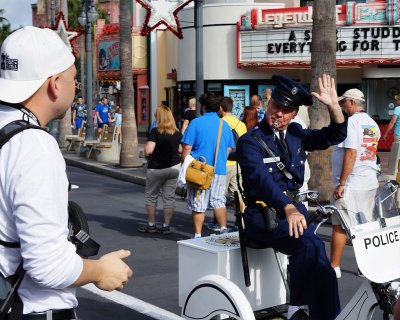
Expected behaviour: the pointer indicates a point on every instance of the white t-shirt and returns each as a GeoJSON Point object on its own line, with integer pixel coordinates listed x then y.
{"type": "Point", "coordinates": [34, 212]}
{"type": "Point", "coordinates": [362, 135]}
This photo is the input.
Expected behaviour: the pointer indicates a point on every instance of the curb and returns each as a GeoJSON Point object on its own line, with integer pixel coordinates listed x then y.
{"type": "Point", "coordinates": [111, 172]}
{"type": "Point", "coordinates": [114, 171]}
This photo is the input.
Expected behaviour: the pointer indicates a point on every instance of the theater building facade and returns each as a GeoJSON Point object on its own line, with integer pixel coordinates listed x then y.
{"type": "Point", "coordinates": [245, 44]}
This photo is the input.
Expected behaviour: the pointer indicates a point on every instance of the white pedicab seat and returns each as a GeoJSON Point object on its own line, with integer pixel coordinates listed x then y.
{"type": "Point", "coordinates": [211, 280]}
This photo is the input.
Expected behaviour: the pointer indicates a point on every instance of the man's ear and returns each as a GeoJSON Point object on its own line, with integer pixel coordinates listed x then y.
{"type": "Point", "coordinates": [54, 88]}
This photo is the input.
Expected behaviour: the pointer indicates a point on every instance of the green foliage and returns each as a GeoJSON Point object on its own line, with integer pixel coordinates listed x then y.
{"type": "Point", "coordinates": [74, 11]}
{"type": "Point", "coordinates": [5, 27]}
{"type": "Point", "coordinates": [102, 14]}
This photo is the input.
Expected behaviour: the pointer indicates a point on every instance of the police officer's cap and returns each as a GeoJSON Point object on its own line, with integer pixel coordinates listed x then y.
{"type": "Point", "coordinates": [290, 93]}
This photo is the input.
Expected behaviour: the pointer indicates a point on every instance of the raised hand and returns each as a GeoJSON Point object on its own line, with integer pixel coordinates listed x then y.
{"type": "Point", "coordinates": [327, 88]}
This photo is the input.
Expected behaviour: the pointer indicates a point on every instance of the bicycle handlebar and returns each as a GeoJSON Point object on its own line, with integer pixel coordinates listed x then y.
{"type": "Point", "coordinates": [311, 218]}
{"type": "Point", "coordinates": [323, 212]}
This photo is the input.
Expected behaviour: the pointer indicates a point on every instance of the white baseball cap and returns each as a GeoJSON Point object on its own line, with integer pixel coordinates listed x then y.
{"type": "Point", "coordinates": [29, 56]}
{"type": "Point", "coordinates": [352, 94]}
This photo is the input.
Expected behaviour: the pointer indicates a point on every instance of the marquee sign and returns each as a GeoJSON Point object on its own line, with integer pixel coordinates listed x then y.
{"type": "Point", "coordinates": [163, 12]}
{"type": "Point", "coordinates": [366, 34]}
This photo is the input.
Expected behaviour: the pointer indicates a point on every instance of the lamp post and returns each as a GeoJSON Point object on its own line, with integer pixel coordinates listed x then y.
{"type": "Point", "coordinates": [198, 18]}
{"type": "Point", "coordinates": [87, 16]}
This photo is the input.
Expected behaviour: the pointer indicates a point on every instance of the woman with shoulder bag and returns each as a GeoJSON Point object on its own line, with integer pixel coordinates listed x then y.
{"type": "Point", "coordinates": [162, 151]}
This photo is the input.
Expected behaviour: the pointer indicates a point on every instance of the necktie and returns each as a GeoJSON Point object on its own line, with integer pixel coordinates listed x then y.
{"type": "Point", "coordinates": [283, 141]}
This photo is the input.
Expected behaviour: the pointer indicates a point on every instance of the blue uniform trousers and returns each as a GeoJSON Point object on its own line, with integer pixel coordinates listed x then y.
{"type": "Point", "coordinates": [312, 280]}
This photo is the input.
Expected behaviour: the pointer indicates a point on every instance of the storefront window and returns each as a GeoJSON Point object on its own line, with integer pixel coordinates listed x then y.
{"type": "Point", "coordinates": [380, 97]}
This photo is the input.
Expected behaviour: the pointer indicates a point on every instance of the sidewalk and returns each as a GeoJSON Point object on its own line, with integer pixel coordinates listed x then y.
{"type": "Point", "coordinates": [111, 169]}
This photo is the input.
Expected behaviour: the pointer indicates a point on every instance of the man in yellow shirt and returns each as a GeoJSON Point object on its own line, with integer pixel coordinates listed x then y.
{"type": "Point", "coordinates": [225, 112]}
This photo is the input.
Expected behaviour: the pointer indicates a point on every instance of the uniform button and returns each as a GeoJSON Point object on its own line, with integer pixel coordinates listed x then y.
{"type": "Point", "coordinates": [270, 169]}
{"type": "Point", "coordinates": [301, 161]}
{"type": "Point", "coordinates": [292, 165]}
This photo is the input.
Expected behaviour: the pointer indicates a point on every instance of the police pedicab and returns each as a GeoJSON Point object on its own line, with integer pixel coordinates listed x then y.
{"type": "Point", "coordinates": [226, 277]}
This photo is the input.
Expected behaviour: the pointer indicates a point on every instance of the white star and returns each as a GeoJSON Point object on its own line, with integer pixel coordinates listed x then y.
{"type": "Point", "coordinates": [163, 12]}
{"type": "Point", "coordinates": [66, 35]}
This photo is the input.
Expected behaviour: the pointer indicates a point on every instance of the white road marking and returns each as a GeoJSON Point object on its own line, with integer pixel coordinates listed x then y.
{"type": "Point", "coordinates": [133, 303]}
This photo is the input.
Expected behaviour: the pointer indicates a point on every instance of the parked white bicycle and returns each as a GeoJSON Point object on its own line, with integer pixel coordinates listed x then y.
{"type": "Point", "coordinates": [225, 277]}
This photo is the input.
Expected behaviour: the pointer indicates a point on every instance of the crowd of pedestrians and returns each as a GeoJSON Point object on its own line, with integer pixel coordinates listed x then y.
{"type": "Point", "coordinates": [102, 114]}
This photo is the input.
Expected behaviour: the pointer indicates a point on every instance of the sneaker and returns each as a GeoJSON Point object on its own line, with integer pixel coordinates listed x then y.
{"type": "Point", "coordinates": [147, 229]}
{"type": "Point", "coordinates": [233, 229]}
{"type": "Point", "coordinates": [338, 272]}
{"type": "Point", "coordinates": [214, 227]}
{"type": "Point", "coordinates": [164, 230]}
{"type": "Point", "coordinates": [223, 231]}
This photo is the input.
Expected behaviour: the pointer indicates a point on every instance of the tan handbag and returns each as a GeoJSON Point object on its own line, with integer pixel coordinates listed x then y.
{"type": "Point", "coordinates": [199, 174]}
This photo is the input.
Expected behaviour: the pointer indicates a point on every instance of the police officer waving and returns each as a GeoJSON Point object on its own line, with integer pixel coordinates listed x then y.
{"type": "Point", "coordinates": [271, 157]}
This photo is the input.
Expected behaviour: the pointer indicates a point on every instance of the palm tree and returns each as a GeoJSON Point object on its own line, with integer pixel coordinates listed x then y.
{"type": "Point", "coordinates": [323, 60]}
{"type": "Point", "coordinates": [65, 123]}
{"type": "Point", "coordinates": [129, 156]}
{"type": "Point", "coordinates": [5, 27]}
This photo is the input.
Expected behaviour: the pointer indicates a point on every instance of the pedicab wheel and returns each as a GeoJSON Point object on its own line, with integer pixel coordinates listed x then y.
{"type": "Point", "coordinates": [76, 221]}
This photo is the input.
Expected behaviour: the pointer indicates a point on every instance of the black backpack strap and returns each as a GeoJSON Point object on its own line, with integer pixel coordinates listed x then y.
{"type": "Point", "coordinates": [10, 244]}
{"type": "Point", "coordinates": [12, 299]}
{"type": "Point", "coordinates": [13, 128]}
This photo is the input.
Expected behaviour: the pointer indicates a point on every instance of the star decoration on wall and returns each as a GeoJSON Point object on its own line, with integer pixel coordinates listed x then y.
{"type": "Point", "coordinates": [66, 34]}
{"type": "Point", "coordinates": [163, 12]}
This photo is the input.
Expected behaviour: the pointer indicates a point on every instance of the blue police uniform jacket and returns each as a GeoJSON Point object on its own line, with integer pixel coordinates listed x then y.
{"type": "Point", "coordinates": [262, 180]}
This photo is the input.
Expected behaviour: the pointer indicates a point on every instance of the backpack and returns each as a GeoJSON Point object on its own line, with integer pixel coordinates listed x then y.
{"type": "Point", "coordinates": [232, 155]}
{"type": "Point", "coordinates": [9, 297]}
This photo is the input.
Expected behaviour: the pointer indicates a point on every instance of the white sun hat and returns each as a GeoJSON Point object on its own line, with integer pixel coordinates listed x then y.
{"type": "Point", "coordinates": [29, 56]}
{"type": "Point", "coordinates": [352, 94]}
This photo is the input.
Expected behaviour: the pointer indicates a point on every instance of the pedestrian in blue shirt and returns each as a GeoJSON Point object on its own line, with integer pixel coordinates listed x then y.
{"type": "Point", "coordinates": [103, 115]}
{"type": "Point", "coordinates": [200, 139]}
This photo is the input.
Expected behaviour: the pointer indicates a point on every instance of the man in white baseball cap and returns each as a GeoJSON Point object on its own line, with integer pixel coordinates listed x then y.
{"type": "Point", "coordinates": [352, 94]}
{"type": "Point", "coordinates": [37, 84]}
{"type": "Point", "coordinates": [354, 171]}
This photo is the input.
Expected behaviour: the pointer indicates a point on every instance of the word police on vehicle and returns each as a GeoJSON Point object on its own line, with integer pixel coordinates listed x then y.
{"type": "Point", "coordinates": [382, 239]}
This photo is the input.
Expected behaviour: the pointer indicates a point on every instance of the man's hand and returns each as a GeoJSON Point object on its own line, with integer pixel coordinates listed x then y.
{"type": "Point", "coordinates": [339, 192]}
{"type": "Point", "coordinates": [327, 91]}
{"type": "Point", "coordinates": [328, 96]}
{"type": "Point", "coordinates": [296, 221]}
{"type": "Point", "coordinates": [114, 272]}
